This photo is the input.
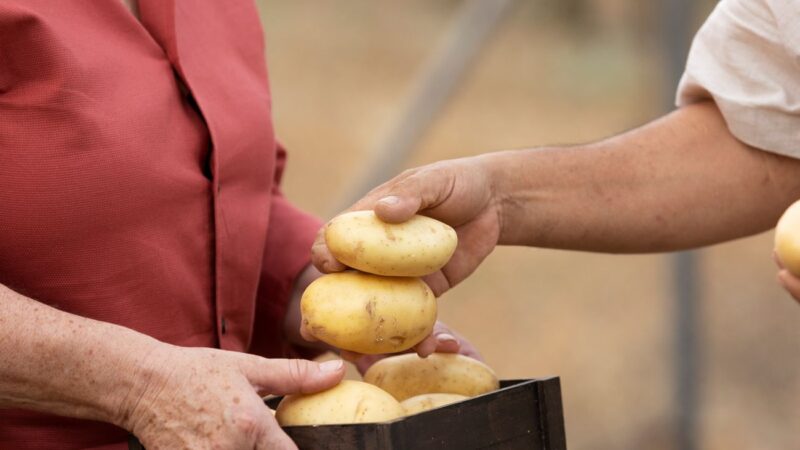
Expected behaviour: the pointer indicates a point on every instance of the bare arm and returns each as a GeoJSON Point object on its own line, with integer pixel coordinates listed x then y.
{"type": "Point", "coordinates": [170, 397]}
{"type": "Point", "coordinates": [60, 363]}
{"type": "Point", "coordinates": [681, 181]}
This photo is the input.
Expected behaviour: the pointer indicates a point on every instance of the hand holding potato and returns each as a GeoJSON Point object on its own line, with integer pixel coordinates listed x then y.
{"type": "Point", "coordinates": [457, 192]}
{"type": "Point", "coordinates": [417, 247]}
{"type": "Point", "coordinates": [208, 398]}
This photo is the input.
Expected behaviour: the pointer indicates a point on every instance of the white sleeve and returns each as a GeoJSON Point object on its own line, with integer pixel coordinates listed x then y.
{"type": "Point", "coordinates": [746, 57]}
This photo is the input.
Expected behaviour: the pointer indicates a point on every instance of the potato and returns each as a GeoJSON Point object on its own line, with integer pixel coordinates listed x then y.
{"type": "Point", "coordinates": [787, 239]}
{"type": "Point", "coordinates": [348, 402]}
{"type": "Point", "coordinates": [405, 376]}
{"type": "Point", "coordinates": [414, 248]}
{"type": "Point", "coordinates": [424, 402]}
{"type": "Point", "coordinates": [368, 313]}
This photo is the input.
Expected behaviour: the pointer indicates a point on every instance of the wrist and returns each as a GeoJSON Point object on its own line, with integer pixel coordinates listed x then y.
{"type": "Point", "coordinates": [507, 199]}
{"type": "Point", "coordinates": [142, 377]}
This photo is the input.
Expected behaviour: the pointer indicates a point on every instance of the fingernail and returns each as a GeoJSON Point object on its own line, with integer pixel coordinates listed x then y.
{"type": "Point", "coordinates": [444, 337]}
{"type": "Point", "coordinates": [333, 365]}
{"type": "Point", "coordinates": [390, 200]}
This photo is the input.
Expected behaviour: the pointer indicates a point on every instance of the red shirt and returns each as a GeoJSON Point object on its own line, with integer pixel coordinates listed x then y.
{"type": "Point", "coordinates": [126, 200]}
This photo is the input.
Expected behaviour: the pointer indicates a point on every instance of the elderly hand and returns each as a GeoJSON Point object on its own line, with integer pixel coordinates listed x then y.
{"type": "Point", "coordinates": [204, 398]}
{"type": "Point", "coordinates": [458, 192]}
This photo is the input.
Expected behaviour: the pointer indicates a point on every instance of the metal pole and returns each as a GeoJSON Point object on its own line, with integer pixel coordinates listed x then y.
{"type": "Point", "coordinates": [677, 16]}
{"type": "Point", "coordinates": [447, 65]}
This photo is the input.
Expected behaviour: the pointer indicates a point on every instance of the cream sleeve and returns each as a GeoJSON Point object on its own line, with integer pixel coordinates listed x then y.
{"type": "Point", "coordinates": [747, 58]}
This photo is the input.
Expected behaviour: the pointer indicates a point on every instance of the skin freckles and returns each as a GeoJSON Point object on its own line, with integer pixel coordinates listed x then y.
{"type": "Point", "coordinates": [58, 363]}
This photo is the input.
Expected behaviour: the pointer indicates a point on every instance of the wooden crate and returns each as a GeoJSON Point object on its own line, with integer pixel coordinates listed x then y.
{"type": "Point", "coordinates": [522, 414]}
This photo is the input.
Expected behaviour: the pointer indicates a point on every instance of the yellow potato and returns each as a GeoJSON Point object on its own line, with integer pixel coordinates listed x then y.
{"type": "Point", "coordinates": [414, 248]}
{"type": "Point", "coordinates": [787, 239]}
{"type": "Point", "coordinates": [368, 313]}
{"type": "Point", "coordinates": [348, 402]}
{"type": "Point", "coordinates": [424, 402]}
{"type": "Point", "coordinates": [405, 376]}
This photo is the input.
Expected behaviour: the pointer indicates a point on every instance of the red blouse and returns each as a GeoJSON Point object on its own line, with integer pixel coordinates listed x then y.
{"type": "Point", "coordinates": [125, 198]}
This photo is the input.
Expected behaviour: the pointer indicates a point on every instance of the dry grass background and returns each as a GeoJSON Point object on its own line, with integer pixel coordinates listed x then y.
{"type": "Point", "coordinates": [341, 70]}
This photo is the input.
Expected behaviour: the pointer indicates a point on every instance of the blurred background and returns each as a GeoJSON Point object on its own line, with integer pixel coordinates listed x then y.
{"type": "Point", "coordinates": [640, 368]}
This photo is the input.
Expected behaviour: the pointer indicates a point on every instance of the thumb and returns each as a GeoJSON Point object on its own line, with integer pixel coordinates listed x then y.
{"type": "Point", "coordinates": [291, 376]}
{"type": "Point", "coordinates": [397, 208]}
{"type": "Point", "coordinates": [423, 190]}
{"type": "Point", "coordinates": [321, 256]}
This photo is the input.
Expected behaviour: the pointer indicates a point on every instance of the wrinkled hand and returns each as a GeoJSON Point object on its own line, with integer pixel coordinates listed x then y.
{"type": "Point", "coordinates": [458, 192]}
{"type": "Point", "coordinates": [203, 398]}
{"type": "Point", "coordinates": [789, 282]}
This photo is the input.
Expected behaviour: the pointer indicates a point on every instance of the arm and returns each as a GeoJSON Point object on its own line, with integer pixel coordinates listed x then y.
{"type": "Point", "coordinates": [681, 181]}
{"type": "Point", "coordinates": [59, 363]}
{"type": "Point", "coordinates": [64, 364]}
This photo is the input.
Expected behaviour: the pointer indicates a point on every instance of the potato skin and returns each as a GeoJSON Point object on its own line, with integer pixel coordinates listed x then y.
{"type": "Point", "coordinates": [406, 376]}
{"type": "Point", "coordinates": [348, 402]}
{"type": "Point", "coordinates": [367, 313]}
{"type": "Point", "coordinates": [787, 239]}
{"type": "Point", "coordinates": [415, 248]}
{"type": "Point", "coordinates": [425, 402]}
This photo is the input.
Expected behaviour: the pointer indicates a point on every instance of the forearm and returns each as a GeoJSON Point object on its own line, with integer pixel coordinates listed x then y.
{"type": "Point", "coordinates": [63, 364]}
{"type": "Point", "coordinates": [679, 182]}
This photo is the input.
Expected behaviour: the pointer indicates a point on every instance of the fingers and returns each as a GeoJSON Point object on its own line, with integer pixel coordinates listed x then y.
{"type": "Point", "coordinates": [289, 376]}
{"type": "Point", "coordinates": [322, 258]}
{"type": "Point", "coordinates": [349, 356]}
{"type": "Point", "coordinates": [438, 282]}
{"type": "Point", "coordinates": [364, 362]}
{"type": "Point", "coordinates": [426, 347]}
{"type": "Point", "coordinates": [790, 283]}
{"type": "Point", "coordinates": [441, 340]}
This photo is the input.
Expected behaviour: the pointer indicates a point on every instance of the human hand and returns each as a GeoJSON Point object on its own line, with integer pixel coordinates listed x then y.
{"type": "Point", "coordinates": [441, 340]}
{"type": "Point", "coordinates": [458, 192]}
{"type": "Point", "coordinates": [785, 278]}
{"type": "Point", "coordinates": [202, 398]}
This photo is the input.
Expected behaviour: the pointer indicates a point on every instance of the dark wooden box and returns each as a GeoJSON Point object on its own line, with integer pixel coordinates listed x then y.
{"type": "Point", "coordinates": [522, 414]}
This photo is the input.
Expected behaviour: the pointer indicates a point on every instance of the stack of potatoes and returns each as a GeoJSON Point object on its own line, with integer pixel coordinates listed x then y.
{"type": "Point", "coordinates": [383, 307]}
